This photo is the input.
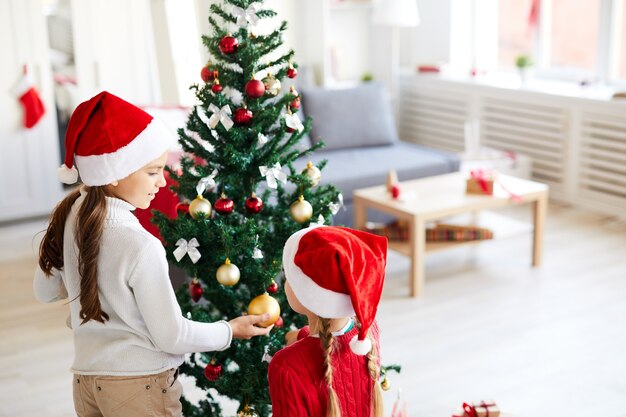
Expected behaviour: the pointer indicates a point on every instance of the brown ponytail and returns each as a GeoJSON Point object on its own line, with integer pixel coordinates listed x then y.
{"type": "Point", "coordinates": [327, 338]}
{"type": "Point", "coordinates": [88, 233]}
{"type": "Point", "coordinates": [374, 369]}
{"type": "Point", "coordinates": [51, 247]}
{"type": "Point", "coordinates": [89, 228]}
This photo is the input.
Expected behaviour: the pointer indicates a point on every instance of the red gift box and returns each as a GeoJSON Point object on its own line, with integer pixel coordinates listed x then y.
{"type": "Point", "coordinates": [478, 409]}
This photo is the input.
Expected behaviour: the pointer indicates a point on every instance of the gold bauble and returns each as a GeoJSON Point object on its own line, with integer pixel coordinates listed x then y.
{"type": "Point", "coordinates": [385, 384]}
{"type": "Point", "coordinates": [228, 274]}
{"type": "Point", "coordinates": [262, 304]}
{"type": "Point", "coordinates": [247, 412]}
{"type": "Point", "coordinates": [200, 207]}
{"type": "Point", "coordinates": [301, 210]}
{"type": "Point", "coordinates": [314, 174]}
{"type": "Point", "coordinates": [272, 85]}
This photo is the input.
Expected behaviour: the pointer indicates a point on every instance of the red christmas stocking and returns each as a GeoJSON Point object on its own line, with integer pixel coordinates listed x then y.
{"type": "Point", "coordinates": [34, 109]}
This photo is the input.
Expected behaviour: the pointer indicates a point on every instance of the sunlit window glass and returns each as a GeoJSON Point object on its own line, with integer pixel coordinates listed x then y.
{"type": "Point", "coordinates": [515, 26]}
{"type": "Point", "coordinates": [574, 36]}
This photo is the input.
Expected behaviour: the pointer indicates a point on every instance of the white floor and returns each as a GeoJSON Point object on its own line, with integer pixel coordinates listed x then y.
{"type": "Point", "coordinates": [541, 342]}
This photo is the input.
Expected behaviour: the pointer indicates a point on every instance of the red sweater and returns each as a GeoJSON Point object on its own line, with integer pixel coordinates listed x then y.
{"type": "Point", "coordinates": [297, 385]}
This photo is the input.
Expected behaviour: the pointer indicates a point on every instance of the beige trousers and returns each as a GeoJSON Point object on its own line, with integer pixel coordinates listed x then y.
{"type": "Point", "coordinates": [128, 396]}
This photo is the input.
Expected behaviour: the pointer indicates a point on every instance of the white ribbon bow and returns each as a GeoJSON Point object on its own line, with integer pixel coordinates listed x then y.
{"type": "Point", "coordinates": [272, 174]}
{"type": "Point", "coordinates": [334, 207]}
{"type": "Point", "coordinates": [262, 139]}
{"type": "Point", "coordinates": [206, 183]}
{"type": "Point", "coordinates": [189, 248]}
{"type": "Point", "coordinates": [320, 221]}
{"type": "Point", "coordinates": [257, 254]}
{"type": "Point", "coordinates": [219, 115]}
{"type": "Point", "coordinates": [246, 16]}
{"type": "Point", "coordinates": [293, 121]}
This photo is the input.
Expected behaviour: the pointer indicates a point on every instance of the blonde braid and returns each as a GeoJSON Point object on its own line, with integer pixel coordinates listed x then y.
{"type": "Point", "coordinates": [327, 339]}
{"type": "Point", "coordinates": [374, 370]}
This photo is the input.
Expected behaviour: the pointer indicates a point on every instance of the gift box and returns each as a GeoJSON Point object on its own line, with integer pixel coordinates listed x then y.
{"type": "Point", "coordinates": [478, 409]}
{"type": "Point", "coordinates": [480, 182]}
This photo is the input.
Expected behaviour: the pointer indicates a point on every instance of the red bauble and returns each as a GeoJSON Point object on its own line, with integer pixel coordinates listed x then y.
{"type": "Point", "coordinates": [195, 290]}
{"type": "Point", "coordinates": [395, 191]}
{"type": "Point", "coordinates": [295, 103]}
{"type": "Point", "coordinates": [182, 208]}
{"type": "Point", "coordinates": [279, 323]}
{"type": "Point", "coordinates": [254, 204]}
{"type": "Point", "coordinates": [212, 371]}
{"type": "Point", "coordinates": [243, 116]}
{"type": "Point", "coordinates": [224, 206]}
{"type": "Point", "coordinates": [216, 87]}
{"type": "Point", "coordinates": [229, 45]}
{"type": "Point", "coordinates": [273, 288]}
{"type": "Point", "coordinates": [292, 72]}
{"type": "Point", "coordinates": [206, 74]}
{"type": "Point", "coordinates": [255, 88]}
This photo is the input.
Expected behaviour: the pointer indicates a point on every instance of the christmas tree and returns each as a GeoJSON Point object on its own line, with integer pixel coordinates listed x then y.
{"type": "Point", "coordinates": [249, 188]}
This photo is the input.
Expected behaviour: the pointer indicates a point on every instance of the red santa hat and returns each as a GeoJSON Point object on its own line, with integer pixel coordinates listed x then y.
{"type": "Point", "coordinates": [338, 272]}
{"type": "Point", "coordinates": [108, 139]}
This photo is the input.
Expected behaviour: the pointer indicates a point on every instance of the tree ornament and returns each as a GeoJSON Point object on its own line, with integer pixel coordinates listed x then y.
{"type": "Point", "coordinates": [292, 122]}
{"type": "Point", "coordinates": [255, 88]}
{"type": "Point", "coordinates": [207, 74]}
{"type": "Point", "coordinates": [385, 384]}
{"type": "Point", "coordinates": [224, 206]}
{"type": "Point", "coordinates": [262, 304]}
{"type": "Point", "coordinates": [227, 274]}
{"type": "Point", "coordinates": [243, 116]}
{"type": "Point", "coordinates": [295, 103]}
{"type": "Point", "coordinates": [216, 87]}
{"type": "Point", "coordinates": [229, 44]}
{"type": "Point", "coordinates": [272, 85]}
{"type": "Point", "coordinates": [273, 287]}
{"type": "Point", "coordinates": [213, 370]}
{"type": "Point", "coordinates": [301, 210]}
{"type": "Point", "coordinates": [247, 412]}
{"type": "Point", "coordinates": [200, 208]}
{"type": "Point", "coordinates": [292, 72]}
{"type": "Point", "coordinates": [195, 290]}
{"type": "Point", "coordinates": [254, 204]}
{"type": "Point", "coordinates": [182, 208]}
{"type": "Point", "coordinates": [313, 172]}
{"type": "Point", "coordinates": [279, 323]}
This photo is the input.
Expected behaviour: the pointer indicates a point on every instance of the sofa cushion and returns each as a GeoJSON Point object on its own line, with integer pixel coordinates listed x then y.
{"type": "Point", "coordinates": [350, 117]}
{"type": "Point", "coordinates": [350, 169]}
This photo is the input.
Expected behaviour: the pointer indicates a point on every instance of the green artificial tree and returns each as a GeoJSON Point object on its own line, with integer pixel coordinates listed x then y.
{"type": "Point", "coordinates": [250, 188]}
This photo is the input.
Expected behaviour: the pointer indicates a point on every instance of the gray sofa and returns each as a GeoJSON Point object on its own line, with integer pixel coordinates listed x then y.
{"type": "Point", "coordinates": [362, 143]}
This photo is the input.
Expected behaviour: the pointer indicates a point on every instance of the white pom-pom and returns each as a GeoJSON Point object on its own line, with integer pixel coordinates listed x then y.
{"type": "Point", "coordinates": [67, 175]}
{"type": "Point", "coordinates": [360, 347]}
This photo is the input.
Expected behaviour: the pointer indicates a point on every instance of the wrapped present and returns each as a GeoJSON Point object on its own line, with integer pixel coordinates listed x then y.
{"type": "Point", "coordinates": [480, 182]}
{"type": "Point", "coordinates": [478, 409]}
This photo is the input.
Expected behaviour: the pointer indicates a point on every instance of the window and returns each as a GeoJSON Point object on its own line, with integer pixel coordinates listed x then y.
{"type": "Point", "coordinates": [572, 40]}
{"type": "Point", "coordinates": [515, 31]}
{"type": "Point", "coordinates": [574, 34]}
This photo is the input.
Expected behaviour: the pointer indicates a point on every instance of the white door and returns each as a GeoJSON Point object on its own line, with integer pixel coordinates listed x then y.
{"type": "Point", "coordinates": [29, 158]}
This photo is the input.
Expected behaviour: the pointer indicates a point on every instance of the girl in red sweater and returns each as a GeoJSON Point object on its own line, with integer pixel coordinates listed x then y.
{"type": "Point", "coordinates": [334, 276]}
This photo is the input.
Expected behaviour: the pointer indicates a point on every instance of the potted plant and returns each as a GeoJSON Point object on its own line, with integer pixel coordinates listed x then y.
{"type": "Point", "coordinates": [524, 63]}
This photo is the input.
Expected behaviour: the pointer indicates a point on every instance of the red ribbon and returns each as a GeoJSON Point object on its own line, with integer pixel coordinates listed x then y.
{"type": "Point", "coordinates": [482, 177]}
{"type": "Point", "coordinates": [470, 409]}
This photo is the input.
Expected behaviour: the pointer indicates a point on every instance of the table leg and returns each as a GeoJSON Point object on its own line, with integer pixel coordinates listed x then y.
{"type": "Point", "coordinates": [360, 213]}
{"type": "Point", "coordinates": [540, 207]}
{"type": "Point", "coordinates": [417, 240]}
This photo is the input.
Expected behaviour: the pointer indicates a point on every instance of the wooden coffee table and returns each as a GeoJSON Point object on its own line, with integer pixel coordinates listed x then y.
{"type": "Point", "coordinates": [438, 197]}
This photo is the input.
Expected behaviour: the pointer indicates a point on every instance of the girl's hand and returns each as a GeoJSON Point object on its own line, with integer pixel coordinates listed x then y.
{"type": "Point", "coordinates": [291, 337]}
{"type": "Point", "coordinates": [244, 327]}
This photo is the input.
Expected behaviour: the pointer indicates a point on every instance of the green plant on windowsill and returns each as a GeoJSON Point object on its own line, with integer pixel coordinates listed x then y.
{"type": "Point", "coordinates": [524, 61]}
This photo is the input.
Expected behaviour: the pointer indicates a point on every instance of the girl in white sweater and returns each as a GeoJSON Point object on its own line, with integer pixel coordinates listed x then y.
{"type": "Point", "coordinates": [129, 332]}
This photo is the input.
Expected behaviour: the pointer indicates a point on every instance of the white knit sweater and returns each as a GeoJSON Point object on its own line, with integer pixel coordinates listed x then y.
{"type": "Point", "coordinates": [146, 332]}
